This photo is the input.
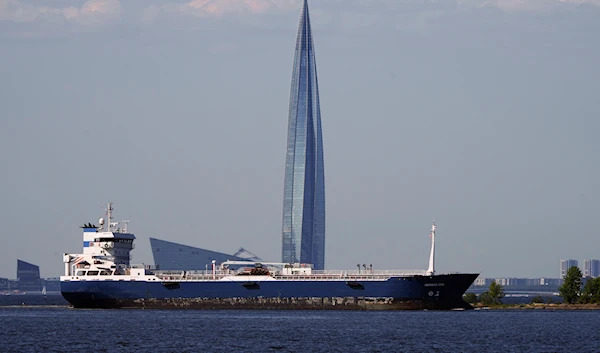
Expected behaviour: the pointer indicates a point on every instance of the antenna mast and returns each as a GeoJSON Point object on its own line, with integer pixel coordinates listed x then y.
{"type": "Point", "coordinates": [109, 210]}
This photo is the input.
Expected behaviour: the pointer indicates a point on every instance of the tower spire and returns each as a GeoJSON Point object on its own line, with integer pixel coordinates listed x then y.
{"type": "Point", "coordinates": [303, 234]}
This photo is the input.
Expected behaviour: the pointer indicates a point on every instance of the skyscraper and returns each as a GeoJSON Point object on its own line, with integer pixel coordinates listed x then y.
{"type": "Point", "coordinates": [591, 268]}
{"type": "Point", "coordinates": [565, 265]}
{"type": "Point", "coordinates": [304, 185]}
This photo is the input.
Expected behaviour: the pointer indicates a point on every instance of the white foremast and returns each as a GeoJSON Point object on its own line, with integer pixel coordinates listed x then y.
{"type": "Point", "coordinates": [431, 269]}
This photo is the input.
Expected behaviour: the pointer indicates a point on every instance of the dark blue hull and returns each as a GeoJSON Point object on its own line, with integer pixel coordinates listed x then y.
{"type": "Point", "coordinates": [415, 292]}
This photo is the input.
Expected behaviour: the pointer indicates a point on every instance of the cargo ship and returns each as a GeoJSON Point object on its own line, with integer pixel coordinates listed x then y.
{"type": "Point", "coordinates": [103, 277]}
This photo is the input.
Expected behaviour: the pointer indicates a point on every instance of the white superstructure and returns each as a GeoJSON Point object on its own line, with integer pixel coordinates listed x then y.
{"type": "Point", "coordinates": [106, 248]}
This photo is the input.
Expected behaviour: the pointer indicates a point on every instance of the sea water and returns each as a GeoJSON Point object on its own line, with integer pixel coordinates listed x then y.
{"type": "Point", "coordinates": [58, 328]}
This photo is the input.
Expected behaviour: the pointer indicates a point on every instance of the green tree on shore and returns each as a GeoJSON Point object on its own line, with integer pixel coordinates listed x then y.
{"type": "Point", "coordinates": [485, 298]}
{"type": "Point", "coordinates": [493, 295]}
{"type": "Point", "coordinates": [537, 299]}
{"type": "Point", "coordinates": [496, 292]}
{"type": "Point", "coordinates": [571, 287]}
{"type": "Point", "coordinates": [591, 291]}
{"type": "Point", "coordinates": [470, 298]}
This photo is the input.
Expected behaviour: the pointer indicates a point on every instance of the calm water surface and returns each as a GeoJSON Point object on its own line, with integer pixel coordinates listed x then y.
{"type": "Point", "coordinates": [62, 329]}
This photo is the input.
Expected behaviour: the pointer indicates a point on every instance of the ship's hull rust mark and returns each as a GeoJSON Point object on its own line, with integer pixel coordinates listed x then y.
{"type": "Point", "coordinates": [348, 303]}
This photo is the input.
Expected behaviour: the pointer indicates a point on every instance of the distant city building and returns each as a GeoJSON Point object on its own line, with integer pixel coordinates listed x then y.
{"type": "Point", "coordinates": [517, 282]}
{"type": "Point", "coordinates": [51, 284]}
{"type": "Point", "coordinates": [565, 265]}
{"type": "Point", "coordinates": [28, 276]}
{"type": "Point", "coordinates": [512, 286]}
{"type": "Point", "coordinates": [4, 284]}
{"type": "Point", "coordinates": [482, 282]}
{"type": "Point", "coordinates": [591, 268]}
{"type": "Point", "coordinates": [173, 256]}
{"type": "Point", "coordinates": [550, 281]}
{"type": "Point", "coordinates": [303, 233]}
{"type": "Point", "coordinates": [502, 281]}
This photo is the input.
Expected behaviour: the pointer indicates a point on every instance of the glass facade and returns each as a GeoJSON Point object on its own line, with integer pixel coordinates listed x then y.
{"type": "Point", "coordinates": [28, 276]}
{"type": "Point", "coordinates": [304, 184]}
{"type": "Point", "coordinates": [591, 268]}
{"type": "Point", "coordinates": [565, 265]}
{"type": "Point", "coordinates": [173, 256]}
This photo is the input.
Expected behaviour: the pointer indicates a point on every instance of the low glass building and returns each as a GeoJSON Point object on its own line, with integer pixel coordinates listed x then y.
{"type": "Point", "coordinates": [173, 256]}
{"type": "Point", "coordinates": [28, 276]}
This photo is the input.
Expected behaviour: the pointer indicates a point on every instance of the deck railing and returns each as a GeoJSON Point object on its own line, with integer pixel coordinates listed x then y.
{"type": "Point", "coordinates": [375, 275]}
{"type": "Point", "coordinates": [369, 272]}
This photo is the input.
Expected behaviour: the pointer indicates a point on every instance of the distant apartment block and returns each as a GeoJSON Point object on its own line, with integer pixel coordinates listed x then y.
{"type": "Point", "coordinates": [565, 265]}
{"type": "Point", "coordinates": [4, 284]}
{"type": "Point", "coordinates": [513, 285]}
{"type": "Point", "coordinates": [481, 282]}
{"type": "Point", "coordinates": [517, 282]}
{"type": "Point", "coordinates": [591, 268]}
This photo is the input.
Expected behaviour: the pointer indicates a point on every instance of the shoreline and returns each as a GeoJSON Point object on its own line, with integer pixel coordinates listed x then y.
{"type": "Point", "coordinates": [538, 306]}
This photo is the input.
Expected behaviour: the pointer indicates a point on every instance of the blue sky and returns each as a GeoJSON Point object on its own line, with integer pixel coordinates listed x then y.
{"type": "Point", "coordinates": [480, 114]}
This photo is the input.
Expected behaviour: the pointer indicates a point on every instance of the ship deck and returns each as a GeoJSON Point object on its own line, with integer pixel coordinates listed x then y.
{"type": "Point", "coordinates": [381, 275]}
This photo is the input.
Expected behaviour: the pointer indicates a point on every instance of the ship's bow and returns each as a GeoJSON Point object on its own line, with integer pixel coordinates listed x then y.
{"type": "Point", "coordinates": [445, 292]}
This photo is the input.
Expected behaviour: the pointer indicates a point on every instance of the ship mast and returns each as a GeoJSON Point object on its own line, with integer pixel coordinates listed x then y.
{"type": "Point", "coordinates": [431, 270]}
{"type": "Point", "coordinates": [109, 210]}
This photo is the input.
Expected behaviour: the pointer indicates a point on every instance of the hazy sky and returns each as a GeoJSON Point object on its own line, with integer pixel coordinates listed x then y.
{"type": "Point", "coordinates": [481, 114]}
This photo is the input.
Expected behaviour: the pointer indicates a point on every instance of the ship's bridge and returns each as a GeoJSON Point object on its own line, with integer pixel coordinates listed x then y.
{"type": "Point", "coordinates": [108, 245]}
